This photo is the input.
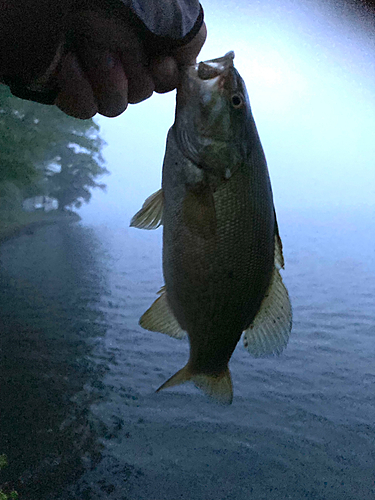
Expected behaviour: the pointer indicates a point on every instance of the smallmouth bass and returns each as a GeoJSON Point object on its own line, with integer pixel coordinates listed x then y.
{"type": "Point", "coordinates": [222, 252]}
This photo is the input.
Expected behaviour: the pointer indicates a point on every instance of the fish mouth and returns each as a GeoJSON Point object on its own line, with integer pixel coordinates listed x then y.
{"type": "Point", "coordinates": [202, 120]}
{"type": "Point", "coordinates": [208, 70]}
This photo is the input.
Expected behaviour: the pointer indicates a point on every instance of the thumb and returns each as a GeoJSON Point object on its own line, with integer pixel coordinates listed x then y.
{"type": "Point", "coordinates": [188, 53]}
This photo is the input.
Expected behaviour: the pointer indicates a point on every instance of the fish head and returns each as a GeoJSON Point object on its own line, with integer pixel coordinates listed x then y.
{"type": "Point", "coordinates": [212, 112]}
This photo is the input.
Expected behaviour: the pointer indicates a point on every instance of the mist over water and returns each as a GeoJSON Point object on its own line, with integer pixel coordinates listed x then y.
{"type": "Point", "coordinates": [310, 73]}
{"type": "Point", "coordinates": [79, 416]}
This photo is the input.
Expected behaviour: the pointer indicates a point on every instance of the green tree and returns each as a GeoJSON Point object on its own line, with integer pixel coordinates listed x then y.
{"type": "Point", "coordinates": [12, 495]}
{"type": "Point", "coordinates": [19, 153]}
{"type": "Point", "coordinates": [42, 150]}
{"type": "Point", "coordinates": [78, 170]}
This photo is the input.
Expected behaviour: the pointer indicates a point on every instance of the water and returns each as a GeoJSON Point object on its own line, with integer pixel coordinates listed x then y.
{"type": "Point", "coordinates": [79, 416]}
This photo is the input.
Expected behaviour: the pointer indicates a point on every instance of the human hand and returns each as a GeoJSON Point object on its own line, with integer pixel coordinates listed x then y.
{"type": "Point", "coordinates": [110, 68]}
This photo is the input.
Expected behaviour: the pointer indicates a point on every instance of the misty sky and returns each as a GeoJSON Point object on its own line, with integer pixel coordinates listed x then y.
{"type": "Point", "coordinates": [310, 75]}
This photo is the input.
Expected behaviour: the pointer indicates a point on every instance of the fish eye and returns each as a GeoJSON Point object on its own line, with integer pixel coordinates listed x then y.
{"type": "Point", "coordinates": [237, 101]}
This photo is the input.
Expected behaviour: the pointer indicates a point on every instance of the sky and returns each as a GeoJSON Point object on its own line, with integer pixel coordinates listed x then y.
{"type": "Point", "coordinates": [309, 69]}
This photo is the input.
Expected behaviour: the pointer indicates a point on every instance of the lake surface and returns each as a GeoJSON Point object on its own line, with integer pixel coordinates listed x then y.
{"type": "Point", "coordinates": [79, 418]}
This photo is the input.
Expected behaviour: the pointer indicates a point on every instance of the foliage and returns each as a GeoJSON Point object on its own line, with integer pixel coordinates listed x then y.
{"type": "Point", "coordinates": [77, 175]}
{"type": "Point", "coordinates": [10, 196]}
{"type": "Point", "coordinates": [3, 461]}
{"type": "Point", "coordinates": [13, 494]}
{"type": "Point", "coordinates": [10, 203]}
{"type": "Point", "coordinates": [45, 152]}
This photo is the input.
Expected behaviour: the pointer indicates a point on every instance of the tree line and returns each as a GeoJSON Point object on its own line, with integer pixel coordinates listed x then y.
{"type": "Point", "coordinates": [44, 152]}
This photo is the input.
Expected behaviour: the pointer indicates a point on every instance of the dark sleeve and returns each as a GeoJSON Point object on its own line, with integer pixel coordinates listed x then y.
{"type": "Point", "coordinates": [163, 25]}
{"type": "Point", "coordinates": [175, 20]}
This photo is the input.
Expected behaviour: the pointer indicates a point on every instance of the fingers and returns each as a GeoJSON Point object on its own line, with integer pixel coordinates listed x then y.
{"type": "Point", "coordinates": [141, 85]}
{"type": "Point", "coordinates": [102, 37]}
{"type": "Point", "coordinates": [106, 75]}
{"type": "Point", "coordinates": [76, 97]}
{"type": "Point", "coordinates": [188, 53]}
{"type": "Point", "coordinates": [165, 74]}
{"type": "Point", "coordinates": [165, 70]}
{"type": "Point", "coordinates": [112, 61]}
{"type": "Point", "coordinates": [110, 68]}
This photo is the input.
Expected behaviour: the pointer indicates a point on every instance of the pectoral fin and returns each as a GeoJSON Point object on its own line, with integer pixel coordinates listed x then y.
{"type": "Point", "coordinates": [270, 330]}
{"type": "Point", "coordinates": [199, 212]}
{"type": "Point", "coordinates": [159, 318]}
{"type": "Point", "coordinates": [150, 216]}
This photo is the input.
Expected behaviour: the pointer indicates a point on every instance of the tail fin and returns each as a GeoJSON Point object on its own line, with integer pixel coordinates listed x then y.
{"type": "Point", "coordinates": [219, 387]}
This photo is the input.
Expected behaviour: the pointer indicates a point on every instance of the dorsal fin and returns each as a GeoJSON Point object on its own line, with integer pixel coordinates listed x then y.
{"type": "Point", "coordinates": [270, 329]}
{"type": "Point", "coordinates": [279, 257]}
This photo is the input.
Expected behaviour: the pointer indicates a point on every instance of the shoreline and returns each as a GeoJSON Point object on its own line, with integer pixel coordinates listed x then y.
{"type": "Point", "coordinates": [30, 221]}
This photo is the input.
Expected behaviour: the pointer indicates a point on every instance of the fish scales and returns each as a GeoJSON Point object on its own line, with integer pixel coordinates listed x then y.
{"type": "Point", "coordinates": [215, 285]}
{"type": "Point", "coordinates": [221, 248]}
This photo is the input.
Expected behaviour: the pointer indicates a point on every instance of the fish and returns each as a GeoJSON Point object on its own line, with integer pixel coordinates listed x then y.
{"type": "Point", "coordinates": [222, 252]}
